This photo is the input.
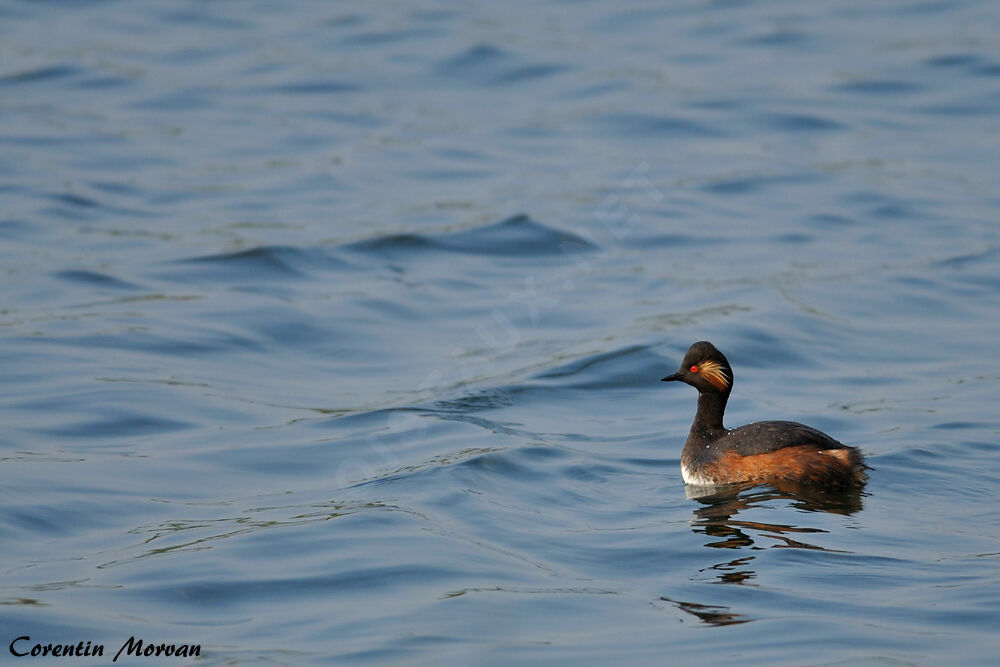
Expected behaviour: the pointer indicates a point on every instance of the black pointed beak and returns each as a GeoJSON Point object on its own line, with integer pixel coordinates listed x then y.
{"type": "Point", "coordinates": [670, 378]}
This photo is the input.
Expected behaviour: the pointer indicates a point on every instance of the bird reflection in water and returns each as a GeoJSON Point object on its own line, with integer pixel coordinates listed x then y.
{"type": "Point", "coordinates": [721, 505]}
{"type": "Point", "coordinates": [716, 518]}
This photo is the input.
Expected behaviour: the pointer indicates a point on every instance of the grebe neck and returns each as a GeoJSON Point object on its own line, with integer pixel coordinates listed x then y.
{"type": "Point", "coordinates": [708, 418]}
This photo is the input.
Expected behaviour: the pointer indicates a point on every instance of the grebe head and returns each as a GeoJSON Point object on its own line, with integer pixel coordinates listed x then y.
{"type": "Point", "coordinates": [706, 369]}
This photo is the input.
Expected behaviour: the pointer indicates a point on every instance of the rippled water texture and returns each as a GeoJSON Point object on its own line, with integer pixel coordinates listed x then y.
{"type": "Point", "coordinates": [333, 332]}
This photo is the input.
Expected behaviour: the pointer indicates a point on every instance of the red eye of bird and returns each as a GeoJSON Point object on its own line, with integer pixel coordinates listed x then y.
{"type": "Point", "coordinates": [694, 369]}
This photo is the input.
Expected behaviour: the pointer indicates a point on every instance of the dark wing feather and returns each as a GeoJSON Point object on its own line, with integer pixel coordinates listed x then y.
{"type": "Point", "coordinates": [765, 437]}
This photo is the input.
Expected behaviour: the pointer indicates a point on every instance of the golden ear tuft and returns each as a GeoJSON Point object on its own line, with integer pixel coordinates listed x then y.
{"type": "Point", "coordinates": [713, 372]}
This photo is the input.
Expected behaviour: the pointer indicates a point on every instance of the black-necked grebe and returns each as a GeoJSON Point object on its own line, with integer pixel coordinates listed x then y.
{"type": "Point", "coordinates": [757, 452]}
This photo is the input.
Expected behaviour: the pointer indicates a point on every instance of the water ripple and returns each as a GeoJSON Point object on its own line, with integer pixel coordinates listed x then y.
{"type": "Point", "coordinates": [41, 74]}
{"type": "Point", "coordinates": [258, 264]}
{"type": "Point", "coordinates": [488, 65]}
{"type": "Point", "coordinates": [518, 236]}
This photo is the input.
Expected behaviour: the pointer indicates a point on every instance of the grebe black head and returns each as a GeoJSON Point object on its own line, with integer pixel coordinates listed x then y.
{"type": "Point", "coordinates": [706, 369]}
{"type": "Point", "coordinates": [758, 452]}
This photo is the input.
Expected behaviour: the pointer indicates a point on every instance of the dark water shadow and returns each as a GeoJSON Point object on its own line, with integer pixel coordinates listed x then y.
{"type": "Point", "coordinates": [717, 518]}
{"type": "Point", "coordinates": [712, 614]}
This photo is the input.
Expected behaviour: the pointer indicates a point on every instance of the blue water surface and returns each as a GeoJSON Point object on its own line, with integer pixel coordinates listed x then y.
{"type": "Point", "coordinates": [332, 332]}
